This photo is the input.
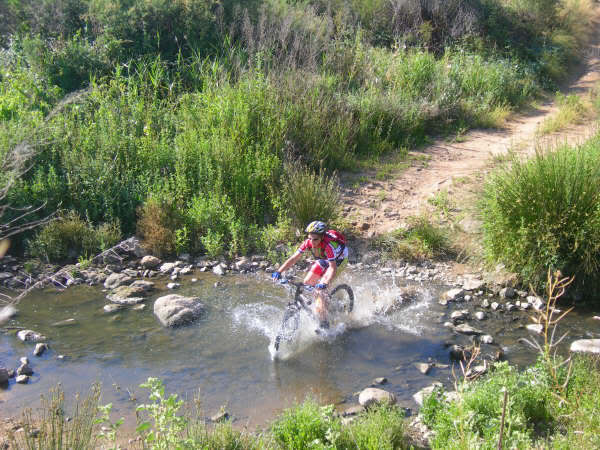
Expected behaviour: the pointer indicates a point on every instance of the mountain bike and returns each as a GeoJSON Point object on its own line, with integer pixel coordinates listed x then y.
{"type": "Point", "coordinates": [340, 302]}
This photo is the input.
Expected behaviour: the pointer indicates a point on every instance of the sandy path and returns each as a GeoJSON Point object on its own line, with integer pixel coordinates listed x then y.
{"type": "Point", "coordinates": [379, 206]}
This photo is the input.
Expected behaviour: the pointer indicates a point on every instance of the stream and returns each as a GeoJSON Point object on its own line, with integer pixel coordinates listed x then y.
{"type": "Point", "coordinates": [226, 358]}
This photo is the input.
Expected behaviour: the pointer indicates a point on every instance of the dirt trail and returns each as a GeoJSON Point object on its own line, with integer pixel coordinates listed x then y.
{"type": "Point", "coordinates": [377, 207]}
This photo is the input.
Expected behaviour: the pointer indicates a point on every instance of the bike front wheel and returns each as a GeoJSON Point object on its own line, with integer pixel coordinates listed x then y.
{"type": "Point", "coordinates": [289, 326]}
{"type": "Point", "coordinates": [342, 299]}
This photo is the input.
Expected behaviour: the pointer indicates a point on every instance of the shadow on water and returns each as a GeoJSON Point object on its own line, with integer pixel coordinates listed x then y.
{"type": "Point", "coordinates": [224, 358]}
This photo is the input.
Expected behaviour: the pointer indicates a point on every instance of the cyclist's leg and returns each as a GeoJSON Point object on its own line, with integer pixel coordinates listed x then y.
{"type": "Point", "coordinates": [313, 276]}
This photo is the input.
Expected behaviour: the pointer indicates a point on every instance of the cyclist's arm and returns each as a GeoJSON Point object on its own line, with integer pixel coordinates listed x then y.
{"type": "Point", "coordinates": [290, 262]}
{"type": "Point", "coordinates": [329, 273]}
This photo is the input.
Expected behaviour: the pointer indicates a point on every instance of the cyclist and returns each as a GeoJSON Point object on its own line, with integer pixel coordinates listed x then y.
{"type": "Point", "coordinates": [329, 249]}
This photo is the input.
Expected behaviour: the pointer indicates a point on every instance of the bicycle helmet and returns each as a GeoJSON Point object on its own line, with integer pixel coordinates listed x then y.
{"type": "Point", "coordinates": [316, 227]}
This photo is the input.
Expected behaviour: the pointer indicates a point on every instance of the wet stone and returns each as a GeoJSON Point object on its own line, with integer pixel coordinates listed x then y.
{"type": "Point", "coordinates": [24, 369]}
{"type": "Point", "coordinates": [535, 328]}
{"type": "Point", "coordinates": [31, 336]}
{"type": "Point", "coordinates": [486, 339]}
{"type": "Point", "coordinates": [496, 306]}
{"type": "Point", "coordinates": [379, 380]}
{"type": "Point", "coordinates": [420, 396]}
{"type": "Point", "coordinates": [424, 368]}
{"type": "Point", "coordinates": [40, 348]}
{"type": "Point", "coordinates": [221, 416]}
{"type": "Point", "coordinates": [508, 292]}
{"type": "Point", "coordinates": [372, 396]}
{"type": "Point", "coordinates": [467, 329]}
{"type": "Point", "coordinates": [480, 315]}
{"type": "Point", "coordinates": [586, 346]}
{"type": "Point", "coordinates": [22, 379]}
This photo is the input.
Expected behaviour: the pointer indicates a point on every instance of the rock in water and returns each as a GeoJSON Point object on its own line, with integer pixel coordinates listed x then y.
{"type": "Point", "coordinates": [174, 310]}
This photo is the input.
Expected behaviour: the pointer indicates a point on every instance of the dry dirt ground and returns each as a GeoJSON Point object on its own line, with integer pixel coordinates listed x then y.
{"type": "Point", "coordinates": [446, 176]}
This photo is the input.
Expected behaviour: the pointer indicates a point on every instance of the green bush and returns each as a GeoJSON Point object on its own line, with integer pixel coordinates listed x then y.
{"type": "Point", "coordinates": [157, 224]}
{"type": "Point", "coordinates": [378, 428]}
{"type": "Point", "coordinates": [69, 236]}
{"type": "Point", "coordinates": [306, 426]}
{"type": "Point", "coordinates": [545, 213]}
{"type": "Point", "coordinates": [421, 240]}
{"type": "Point", "coordinates": [309, 196]}
{"type": "Point", "coordinates": [475, 419]}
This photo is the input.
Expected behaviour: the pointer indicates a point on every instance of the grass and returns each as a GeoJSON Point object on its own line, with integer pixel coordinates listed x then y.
{"type": "Point", "coordinates": [421, 240]}
{"type": "Point", "coordinates": [207, 107]}
{"type": "Point", "coordinates": [572, 110]}
{"type": "Point", "coordinates": [544, 213]}
{"type": "Point", "coordinates": [163, 423]}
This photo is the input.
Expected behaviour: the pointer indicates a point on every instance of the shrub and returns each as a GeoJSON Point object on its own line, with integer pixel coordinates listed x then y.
{"type": "Point", "coordinates": [309, 196]}
{"type": "Point", "coordinates": [378, 428]}
{"type": "Point", "coordinates": [421, 240]}
{"type": "Point", "coordinates": [545, 213]}
{"type": "Point", "coordinates": [475, 419]}
{"type": "Point", "coordinates": [158, 220]}
{"type": "Point", "coordinates": [55, 428]}
{"type": "Point", "coordinates": [69, 236]}
{"type": "Point", "coordinates": [306, 426]}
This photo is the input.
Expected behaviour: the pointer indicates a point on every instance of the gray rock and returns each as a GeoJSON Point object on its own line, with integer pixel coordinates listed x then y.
{"type": "Point", "coordinates": [113, 307]}
{"type": "Point", "coordinates": [5, 276]}
{"type": "Point", "coordinates": [480, 315]}
{"type": "Point", "coordinates": [146, 286]}
{"type": "Point", "coordinates": [467, 329]}
{"type": "Point", "coordinates": [173, 285]}
{"type": "Point", "coordinates": [40, 348]}
{"type": "Point", "coordinates": [174, 310]}
{"type": "Point", "coordinates": [485, 303]}
{"type": "Point", "coordinates": [218, 270]}
{"type": "Point", "coordinates": [508, 292]}
{"type": "Point", "coordinates": [424, 368]}
{"type": "Point", "coordinates": [133, 246]}
{"type": "Point", "coordinates": [472, 283]}
{"type": "Point", "coordinates": [31, 336]}
{"type": "Point", "coordinates": [510, 307]}
{"type": "Point", "coordinates": [186, 270]}
{"type": "Point", "coordinates": [4, 375]}
{"type": "Point", "coordinates": [371, 396]}
{"type": "Point", "coordinates": [476, 371]}
{"type": "Point", "coordinates": [535, 328]}
{"type": "Point", "coordinates": [7, 313]}
{"type": "Point", "coordinates": [454, 294]}
{"type": "Point", "coordinates": [131, 272]}
{"type": "Point", "coordinates": [114, 280]}
{"type": "Point", "coordinates": [139, 307]}
{"type": "Point", "coordinates": [379, 380]}
{"type": "Point", "coordinates": [486, 339]}
{"type": "Point", "coordinates": [65, 323]}
{"type": "Point", "coordinates": [24, 369]}
{"type": "Point", "coordinates": [496, 306]}
{"type": "Point", "coordinates": [24, 360]}
{"type": "Point", "coordinates": [461, 314]}
{"type": "Point", "coordinates": [353, 411]}
{"type": "Point", "coordinates": [150, 262]}
{"type": "Point", "coordinates": [420, 396]}
{"type": "Point", "coordinates": [22, 379]}
{"type": "Point", "coordinates": [167, 267]}
{"type": "Point", "coordinates": [537, 303]}
{"type": "Point", "coordinates": [127, 295]}
{"type": "Point", "coordinates": [586, 346]}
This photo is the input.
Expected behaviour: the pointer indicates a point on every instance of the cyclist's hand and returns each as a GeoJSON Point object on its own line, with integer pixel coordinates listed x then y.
{"type": "Point", "coordinates": [321, 286]}
{"type": "Point", "coordinates": [276, 276]}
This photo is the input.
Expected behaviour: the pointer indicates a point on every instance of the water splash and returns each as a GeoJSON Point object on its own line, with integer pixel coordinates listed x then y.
{"type": "Point", "coordinates": [402, 308]}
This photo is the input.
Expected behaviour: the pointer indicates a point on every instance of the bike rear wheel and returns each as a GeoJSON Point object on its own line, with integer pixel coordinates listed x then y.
{"type": "Point", "coordinates": [289, 325]}
{"type": "Point", "coordinates": [341, 299]}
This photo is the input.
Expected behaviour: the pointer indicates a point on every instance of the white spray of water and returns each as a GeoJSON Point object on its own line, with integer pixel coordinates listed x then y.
{"type": "Point", "coordinates": [6, 313]}
{"type": "Point", "coordinates": [376, 302]}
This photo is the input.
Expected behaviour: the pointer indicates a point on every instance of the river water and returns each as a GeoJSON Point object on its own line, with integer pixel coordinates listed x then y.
{"type": "Point", "coordinates": [226, 358]}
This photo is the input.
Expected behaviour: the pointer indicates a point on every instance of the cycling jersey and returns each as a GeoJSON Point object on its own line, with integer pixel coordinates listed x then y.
{"type": "Point", "coordinates": [327, 248]}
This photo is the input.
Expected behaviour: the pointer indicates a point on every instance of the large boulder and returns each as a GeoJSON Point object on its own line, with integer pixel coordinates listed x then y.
{"type": "Point", "coordinates": [173, 310]}
{"type": "Point", "coordinates": [372, 396]}
{"type": "Point", "coordinates": [3, 375]}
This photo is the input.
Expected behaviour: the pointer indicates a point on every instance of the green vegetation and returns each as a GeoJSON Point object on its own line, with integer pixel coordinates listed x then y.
{"type": "Point", "coordinates": [537, 414]}
{"type": "Point", "coordinates": [572, 110]}
{"type": "Point", "coordinates": [421, 240]}
{"type": "Point", "coordinates": [163, 426]}
{"type": "Point", "coordinates": [545, 213]}
{"type": "Point", "coordinates": [201, 107]}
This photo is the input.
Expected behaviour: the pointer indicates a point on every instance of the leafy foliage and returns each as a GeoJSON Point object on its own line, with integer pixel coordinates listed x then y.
{"type": "Point", "coordinates": [545, 213]}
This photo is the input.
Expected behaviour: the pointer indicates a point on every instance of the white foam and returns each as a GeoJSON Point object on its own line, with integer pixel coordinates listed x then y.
{"type": "Point", "coordinates": [6, 313]}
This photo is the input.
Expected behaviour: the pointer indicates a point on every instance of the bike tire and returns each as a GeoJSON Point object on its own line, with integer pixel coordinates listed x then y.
{"type": "Point", "coordinates": [289, 326]}
{"type": "Point", "coordinates": [343, 296]}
